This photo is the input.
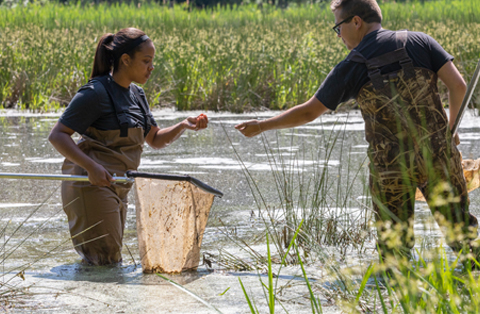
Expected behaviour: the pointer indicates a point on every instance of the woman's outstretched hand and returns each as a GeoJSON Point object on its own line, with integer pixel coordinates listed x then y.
{"type": "Point", "coordinates": [197, 123]}
{"type": "Point", "coordinates": [159, 138]}
{"type": "Point", "coordinates": [97, 175]}
{"type": "Point", "coordinates": [249, 128]}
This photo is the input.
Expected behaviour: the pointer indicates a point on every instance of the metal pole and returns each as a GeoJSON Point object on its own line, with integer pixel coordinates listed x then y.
{"type": "Point", "coordinates": [130, 177]}
{"type": "Point", "coordinates": [466, 99]}
{"type": "Point", "coordinates": [62, 177]}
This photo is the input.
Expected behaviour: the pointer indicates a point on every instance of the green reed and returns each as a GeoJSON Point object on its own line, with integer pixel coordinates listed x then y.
{"type": "Point", "coordinates": [427, 285]}
{"type": "Point", "coordinates": [431, 283]}
{"type": "Point", "coordinates": [236, 59]}
{"type": "Point", "coordinates": [311, 211]}
{"type": "Point", "coordinates": [314, 208]}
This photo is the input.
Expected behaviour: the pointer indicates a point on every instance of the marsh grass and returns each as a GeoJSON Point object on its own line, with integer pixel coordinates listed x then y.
{"type": "Point", "coordinates": [16, 293]}
{"type": "Point", "coordinates": [320, 194]}
{"type": "Point", "coordinates": [427, 285]}
{"type": "Point", "coordinates": [13, 292]}
{"type": "Point", "coordinates": [270, 289]}
{"type": "Point", "coordinates": [235, 59]}
{"type": "Point", "coordinates": [310, 211]}
{"type": "Point", "coordinates": [432, 283]}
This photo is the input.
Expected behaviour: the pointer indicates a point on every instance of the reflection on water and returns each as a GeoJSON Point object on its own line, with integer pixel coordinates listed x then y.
{"type": "Point", "coordinates": [209, 156]}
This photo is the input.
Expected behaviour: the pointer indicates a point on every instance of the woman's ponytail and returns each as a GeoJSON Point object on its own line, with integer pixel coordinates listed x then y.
{"type": "Point", "coordinates": [111, 47]}
{"type": "Point", "coordinates": [103, 62]}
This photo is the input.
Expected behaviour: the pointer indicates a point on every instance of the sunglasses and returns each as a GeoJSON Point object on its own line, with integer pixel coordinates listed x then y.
{"type": "Point", "coordinates": [336, 28]}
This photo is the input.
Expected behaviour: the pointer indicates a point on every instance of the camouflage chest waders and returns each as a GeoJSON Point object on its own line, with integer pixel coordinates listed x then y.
{"type": "Point", "coordinates": [410, 146]}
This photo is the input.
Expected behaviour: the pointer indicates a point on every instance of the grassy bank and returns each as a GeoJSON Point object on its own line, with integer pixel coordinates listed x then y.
{"type": "Point", "coordinates": [223, 59]}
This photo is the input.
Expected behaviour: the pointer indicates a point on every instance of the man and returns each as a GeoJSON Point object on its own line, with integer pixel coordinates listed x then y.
{"type": "Point", "coordinates": [393, 77]}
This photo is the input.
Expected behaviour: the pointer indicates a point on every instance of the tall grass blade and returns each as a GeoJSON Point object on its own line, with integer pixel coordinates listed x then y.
{"type": "Point", "coordinates": [189, 293]}
{"type": "Point", "coordinates": [271, 295]}
{"type": "Point", "coordinates": [23, 222]}
{"type": "Point", "coordinates": [316, 305]}
{"type": "Point", "coordinates": [384, 306]}
{"type": "Point", "coordinates": [250, 305]}
{"type": "Point", "coordinates": [288, 251]}
{"type": "Point", "coordinates": [364, 282]}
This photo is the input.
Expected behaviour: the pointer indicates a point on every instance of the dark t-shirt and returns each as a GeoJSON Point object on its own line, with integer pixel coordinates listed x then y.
{"type": "Point", "coordinates": [91, 106]}
{"type": "Point", "coordinates": [347, 78]}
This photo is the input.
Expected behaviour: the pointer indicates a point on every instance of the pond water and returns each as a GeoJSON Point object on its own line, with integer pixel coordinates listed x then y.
{"type": "Point", "coordinates": [35, 230]}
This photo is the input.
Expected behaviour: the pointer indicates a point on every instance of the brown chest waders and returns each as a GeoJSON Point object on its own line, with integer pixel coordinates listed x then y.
{"type": "Point", "coordinates": [96, 216]}
{"type": "Point", "coordinates": [410, 146]}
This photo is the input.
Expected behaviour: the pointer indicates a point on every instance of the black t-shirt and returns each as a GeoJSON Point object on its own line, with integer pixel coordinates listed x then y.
{"type": "Point", "coordinates": [347, 78]}
{"type": "Point", "coordinates": [91, 106]}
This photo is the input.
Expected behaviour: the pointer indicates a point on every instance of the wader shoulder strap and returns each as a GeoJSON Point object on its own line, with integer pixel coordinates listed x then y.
{"type": "Point", "coordinates": [145, 109]}
{"type": "Point", "coordinates": [406, 62]}
{"type": "Point", "coordinates": [399, 55]}
{"type": "Point", "coordinates": [373, 72]}
{"type": "Point", "coordinates": [121, 114]}
{"type": "Point", "coordinates": [356, 56]}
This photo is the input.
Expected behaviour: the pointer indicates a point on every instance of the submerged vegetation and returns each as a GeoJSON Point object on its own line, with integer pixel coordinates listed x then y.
{"type": "Point", "coordinates": [236, 59]}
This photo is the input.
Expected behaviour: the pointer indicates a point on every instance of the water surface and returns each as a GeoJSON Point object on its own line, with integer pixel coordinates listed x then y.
{"type": "Point", "coordinates": [219, 156]}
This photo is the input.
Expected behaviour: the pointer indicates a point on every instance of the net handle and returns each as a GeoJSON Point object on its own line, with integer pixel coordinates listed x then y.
{"type": "Point", "coordinates": [466, 98]}
{"type": "Point", "coordinates": [170, 177]}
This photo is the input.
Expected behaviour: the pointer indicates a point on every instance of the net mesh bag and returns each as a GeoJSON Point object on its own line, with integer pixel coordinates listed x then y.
{"type": "Point", "coordinates": [471, 170]}
{"type": "Point", "coordinates": [171, 219]}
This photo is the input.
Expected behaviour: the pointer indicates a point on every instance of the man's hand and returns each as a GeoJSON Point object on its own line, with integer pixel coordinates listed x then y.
{"type": "Point", "coordinates": [249, 128]}
{"type": "Point", "coordinates": [298, 115]}
{"type": "Point", "coordinates": [456, 139]}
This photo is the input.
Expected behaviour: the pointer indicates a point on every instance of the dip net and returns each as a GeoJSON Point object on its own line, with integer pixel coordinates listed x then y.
{"type": "Point", "coordinates": [471, 171]}
{"type": "Point", "coordinates": [171, 219]}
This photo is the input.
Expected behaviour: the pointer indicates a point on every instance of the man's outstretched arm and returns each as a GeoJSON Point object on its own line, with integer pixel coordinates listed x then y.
{"type": "Point", "coordinates": [298, 115]}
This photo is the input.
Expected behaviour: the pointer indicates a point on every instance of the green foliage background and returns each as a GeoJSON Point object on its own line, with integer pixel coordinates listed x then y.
{"type": "Point", "coordinates": [237, 58]}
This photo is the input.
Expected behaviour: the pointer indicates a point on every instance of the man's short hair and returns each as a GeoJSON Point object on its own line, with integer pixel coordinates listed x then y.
{"type": "Point", "coordinates": [368, 10]}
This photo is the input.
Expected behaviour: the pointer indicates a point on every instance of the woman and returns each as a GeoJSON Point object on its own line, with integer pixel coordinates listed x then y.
{"type": "Point", "coordinates": [113, 117]}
